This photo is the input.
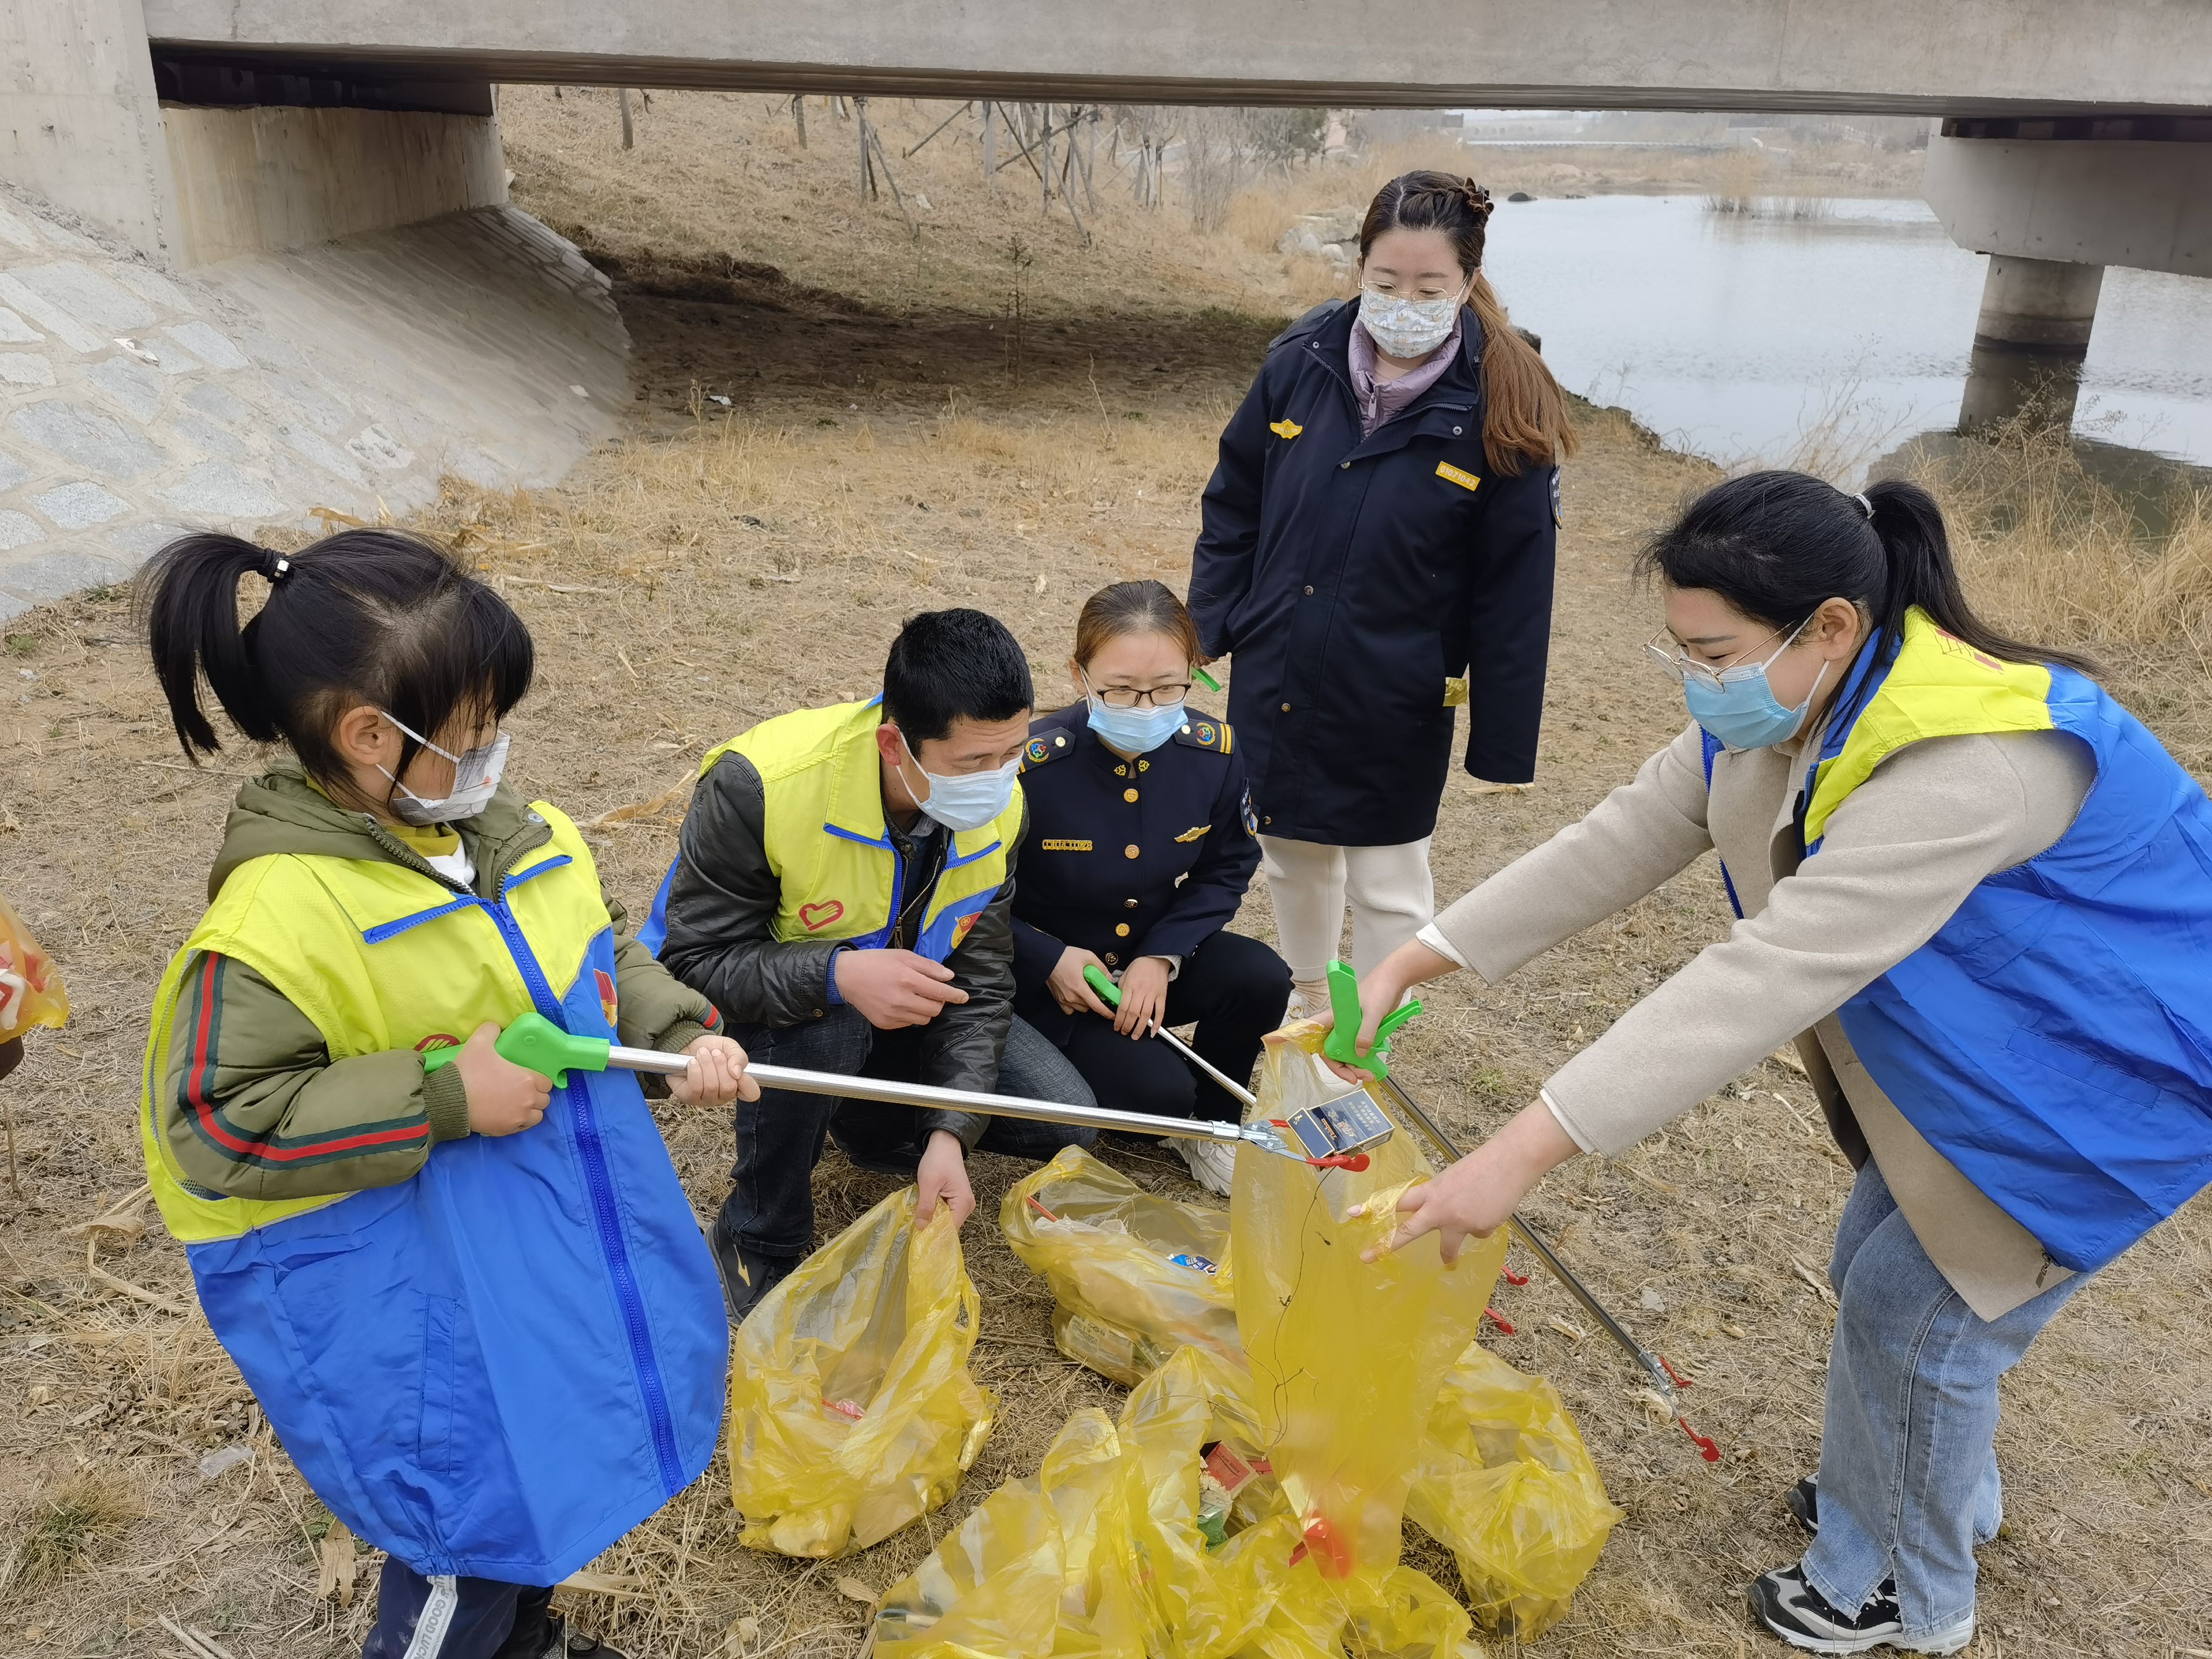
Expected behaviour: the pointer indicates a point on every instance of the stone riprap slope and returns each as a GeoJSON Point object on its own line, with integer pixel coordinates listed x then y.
{"type": "Point", "coordinates": [136, 403]}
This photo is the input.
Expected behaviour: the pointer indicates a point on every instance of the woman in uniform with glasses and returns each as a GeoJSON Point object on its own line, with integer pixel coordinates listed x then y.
{"type": "Point", "coordinates": [1376, 550]}
{"type": "Point", "coordinates": [1139, 848]}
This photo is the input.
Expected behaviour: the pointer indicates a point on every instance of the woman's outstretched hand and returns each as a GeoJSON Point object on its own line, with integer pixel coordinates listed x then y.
{"type": "Point", "coordinates": [1381, 993]}
{"type": "Point", "coordinates": [1478, 1195]}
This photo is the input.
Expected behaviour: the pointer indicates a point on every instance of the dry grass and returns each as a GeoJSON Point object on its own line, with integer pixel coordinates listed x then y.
{"type": "Point", "coordinates": [718, 567]}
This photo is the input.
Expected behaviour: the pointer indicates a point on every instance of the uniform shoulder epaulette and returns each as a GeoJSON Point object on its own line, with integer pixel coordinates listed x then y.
{"type": "Point", "coordinates": [1048, 744]}
{"type": "Point", "coordinates": [1204, 732]}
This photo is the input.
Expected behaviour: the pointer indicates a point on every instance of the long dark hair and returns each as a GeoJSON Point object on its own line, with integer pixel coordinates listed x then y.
{"type": "Point", "coordinates": [1775, 545]}
{"type": "Point", "coordinates": [1525, 415]}
{"type": "Point", "coordinates": [367, 616]}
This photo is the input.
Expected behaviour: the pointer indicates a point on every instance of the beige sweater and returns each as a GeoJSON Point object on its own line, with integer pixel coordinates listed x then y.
{"type": "Point", "coordinates": [1898, 858]}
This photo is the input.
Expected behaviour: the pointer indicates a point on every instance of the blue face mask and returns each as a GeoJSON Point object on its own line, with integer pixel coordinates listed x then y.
{"type": "Point", "coordinates": [967, 800]}
{"type": "Point", "coordinates": [1134, 730]}
{"type": "Point", "coordinates": [1741, 710]}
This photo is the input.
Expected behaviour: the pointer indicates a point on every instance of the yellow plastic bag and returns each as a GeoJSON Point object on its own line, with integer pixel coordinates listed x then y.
{"type": "Point", "coordinates": [1507, 1484]}
{"type": "Point", "coordinates": [30, 986]}
{"type": "Point", "coordinates": [1347, 1357]}
{"type": "Point", "coordinates": [851, 1409]}
{"type": "Point", "coordinates": [1134, 1276]}
{"type": "Point", "coordinates": [1101, 1555]}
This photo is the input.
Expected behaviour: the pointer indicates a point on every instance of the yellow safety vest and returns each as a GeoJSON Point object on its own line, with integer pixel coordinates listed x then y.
{"type": "Point", "coordinates": [826, 840]}
{"type": "Point", "coordinates": [379, 957]}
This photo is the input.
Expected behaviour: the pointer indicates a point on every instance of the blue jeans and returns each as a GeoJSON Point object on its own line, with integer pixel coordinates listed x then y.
{"type": "Point", "coordinates": [1908, 1482]}
{"type": "Point", "coordinates": [771, 1208]}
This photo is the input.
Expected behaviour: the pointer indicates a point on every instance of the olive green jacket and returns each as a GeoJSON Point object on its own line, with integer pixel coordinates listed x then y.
{"type": "Point", "coordinates": [272, 1073]}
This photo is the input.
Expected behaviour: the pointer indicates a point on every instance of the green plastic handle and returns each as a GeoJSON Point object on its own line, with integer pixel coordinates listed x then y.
{"type": "Point", "coordinates": [536, 1043]}
{"type": "Point", "coordinates": [1098, 980]}
{"type": "Point", "coordinates": [1204, 678]}
{"type": "Point", "coordinates": [1344, 1003]}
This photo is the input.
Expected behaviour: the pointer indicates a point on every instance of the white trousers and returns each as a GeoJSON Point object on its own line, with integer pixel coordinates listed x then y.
{"type": "Point", "coordinates": [1393, 898]}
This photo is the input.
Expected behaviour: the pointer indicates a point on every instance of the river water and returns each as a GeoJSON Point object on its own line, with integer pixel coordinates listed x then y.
{"type": "Point", "coordinates": [1736, 335]}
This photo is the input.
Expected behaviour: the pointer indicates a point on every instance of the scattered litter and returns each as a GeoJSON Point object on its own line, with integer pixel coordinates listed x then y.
{"type": "Point", "coordinates": [1572, 1332]}
{"type": "Point", "coordinates": [852, 1411]}
{"type": "Point", "coordinates": [1651, 1302]}
{"type": "Point", "coordinates": [857, 1591]}
{"type": "Point", "coordinates": [224, 1459]}
{"type": "Point", "coordinates": [717, 398]}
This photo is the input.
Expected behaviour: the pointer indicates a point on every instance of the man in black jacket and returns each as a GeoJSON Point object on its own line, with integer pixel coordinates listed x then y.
{"type": "Point", "coordinates": [842, 892]}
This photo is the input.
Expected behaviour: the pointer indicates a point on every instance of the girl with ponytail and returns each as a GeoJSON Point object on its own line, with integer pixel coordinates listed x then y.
{"type": "Point", "coordinates": [472, 1299]}
{"type": "Point", "coordinates": [1977, 894]}
{"type": "Point", "coordinates": [1376, 551]}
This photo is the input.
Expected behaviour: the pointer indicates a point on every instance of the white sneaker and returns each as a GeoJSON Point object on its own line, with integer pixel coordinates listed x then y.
{"type": "Point", "coordinates": [1212, 1162]}
{"type": "Point", "coordinates": [1308, 998]}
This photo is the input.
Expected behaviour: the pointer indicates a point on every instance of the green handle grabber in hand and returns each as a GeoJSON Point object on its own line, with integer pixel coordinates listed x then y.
{"type": "Point", "coordinates": [1344, 1003]}
{"type": "Point", "coordinates": [537, 1044]}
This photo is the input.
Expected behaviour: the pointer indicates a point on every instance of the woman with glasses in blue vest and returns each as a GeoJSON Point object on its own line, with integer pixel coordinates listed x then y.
{"type": "Point", "coordinates": [1977, 894]}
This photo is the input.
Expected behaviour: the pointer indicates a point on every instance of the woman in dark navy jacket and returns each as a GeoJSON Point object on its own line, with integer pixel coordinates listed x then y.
{"type": "Point", "coordinates": [1376, 548]}
{"type": "Point", "coordinates": [1139, 852]}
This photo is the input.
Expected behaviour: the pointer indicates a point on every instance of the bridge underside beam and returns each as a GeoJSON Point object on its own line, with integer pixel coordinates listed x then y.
{"type": "Point", "coordinates": [605, 69]}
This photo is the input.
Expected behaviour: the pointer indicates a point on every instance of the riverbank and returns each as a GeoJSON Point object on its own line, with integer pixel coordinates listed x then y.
{"type": "Point", "coordinates": [897, 438]}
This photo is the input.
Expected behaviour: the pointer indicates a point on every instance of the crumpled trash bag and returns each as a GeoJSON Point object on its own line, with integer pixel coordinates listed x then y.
{"type": "Point", "coordinates": [30, 986]}
{"type": "Point", "coordinates": [851, 1409]}
{"type": "Point", "coordinates": [1134, 1276]}
{"type": "Point", "coordinates": [1100, 1555]}
{"type": "Point", "coordinates": [1347, 1357]}
{"type": "Point", "coordinates": [1506, 1483]}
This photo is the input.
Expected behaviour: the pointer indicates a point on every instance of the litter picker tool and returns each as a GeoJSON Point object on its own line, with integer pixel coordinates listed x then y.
{"type": "Point", "coordinates": [1334, 1134]}
{"type": "Point", "coordinates": [1329, 1136]}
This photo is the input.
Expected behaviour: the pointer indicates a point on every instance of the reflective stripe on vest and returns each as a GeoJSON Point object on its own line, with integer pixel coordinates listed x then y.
{"type": "Point", "coordinates": [2053, 1040]}
{"type": "Point", "coordinates": [822, 826]}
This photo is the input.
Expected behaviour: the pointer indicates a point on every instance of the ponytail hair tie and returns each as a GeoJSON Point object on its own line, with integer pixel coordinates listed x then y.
{"type": "Point", "coordinates": [1861, 498]}
{"type": "Point", "coordinates": [273, 565]}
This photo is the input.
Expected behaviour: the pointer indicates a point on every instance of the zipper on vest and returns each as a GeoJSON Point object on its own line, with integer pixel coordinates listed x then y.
{"type": "Point", "coordinates": [599, 1189]}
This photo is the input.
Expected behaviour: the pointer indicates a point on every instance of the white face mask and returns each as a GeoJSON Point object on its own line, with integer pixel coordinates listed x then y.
{"type": "Point", "coordinates": [475, 776]}
{"type": "Point", "coordinates": [1407, 328]}
{"type": "Point", "coordinates": [967, 800]}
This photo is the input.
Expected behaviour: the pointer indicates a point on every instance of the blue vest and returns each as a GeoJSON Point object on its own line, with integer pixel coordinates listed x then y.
{"type": "Point", "coordinates": [2054, 1039]}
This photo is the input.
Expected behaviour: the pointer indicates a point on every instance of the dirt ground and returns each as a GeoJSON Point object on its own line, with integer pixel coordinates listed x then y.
{"type": "Point", "coordinates": [893, 442]}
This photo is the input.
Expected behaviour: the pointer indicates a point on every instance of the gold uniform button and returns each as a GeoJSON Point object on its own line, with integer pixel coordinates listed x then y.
{"type": "Point", "coordinates": [1129, 904]}
{"type": "Point", "coordinates": [1128, 795]}
{"type": "Point", "coordinates": [1120, 930]}
{"type": "Point", "coordinates": [1111, 959]}
{"type": "Point", "coordinates": [1130, 851]}
{"type": "Point", "coordinates": [1286, 709]}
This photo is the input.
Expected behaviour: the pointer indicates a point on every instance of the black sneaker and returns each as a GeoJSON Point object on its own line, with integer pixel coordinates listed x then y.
{"type": "Point", "coordinates": [1804, 1502]}
{"type": "Point", "coordinates": [572, 1645]}
{"type": "Point", "coordinates": [1802, 1616]}
{"type": "Point", "coordinates": [747, 1275]}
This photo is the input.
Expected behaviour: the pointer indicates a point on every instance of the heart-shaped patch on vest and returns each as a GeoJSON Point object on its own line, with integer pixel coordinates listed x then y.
{"type": "Point", "coordinates": [815, 917]}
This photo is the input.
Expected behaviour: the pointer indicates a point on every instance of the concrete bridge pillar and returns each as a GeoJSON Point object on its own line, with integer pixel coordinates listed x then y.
{"type": "Point", "coordinates": [2029, 341]}
{"type": "Point", "coordinates": [2052, 202]}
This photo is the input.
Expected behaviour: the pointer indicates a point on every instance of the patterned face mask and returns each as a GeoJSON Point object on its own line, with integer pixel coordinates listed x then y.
{"type": "Point", "coordinates": [1407, 328]}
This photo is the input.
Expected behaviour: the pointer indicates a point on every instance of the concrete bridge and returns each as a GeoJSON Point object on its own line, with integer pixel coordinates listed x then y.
{"type": "Point", "coordinates": [2076, 133]}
